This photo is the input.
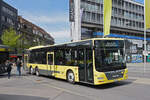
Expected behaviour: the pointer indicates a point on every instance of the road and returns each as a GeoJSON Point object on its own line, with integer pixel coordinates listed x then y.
{"type": "Point", "coordinates": [30, 87]}
{"type": "Point", "coordinates": [138, 70]}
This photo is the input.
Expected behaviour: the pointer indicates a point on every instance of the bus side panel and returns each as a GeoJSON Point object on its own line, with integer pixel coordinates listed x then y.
{"type": "Point", "coordinates": [41, 67]}
{"type": "Point", "coordinates": [31, 65]}
{"type": "Point", "coordinates": [58, 72]}
{"type": "Point", "coordinates": [61, 72]}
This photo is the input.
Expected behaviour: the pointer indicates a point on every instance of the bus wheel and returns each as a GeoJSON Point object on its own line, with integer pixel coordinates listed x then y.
{"type": "Point", "coordinates": [70, 77]}
{"type": "Point", "coordinates": [37, 72]}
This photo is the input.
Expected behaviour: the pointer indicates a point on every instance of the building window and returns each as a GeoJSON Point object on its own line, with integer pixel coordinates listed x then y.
{"type": "Point", "coordinates": [3, 18]}
{"type": "Point", "coordinates": [93, 17]}
{"type": "Point", "coordinates": [8, 11]}
{"type": "Point", "coordinates": [87, 16]}
{"type": "Point", "coordinates": [98, 18]}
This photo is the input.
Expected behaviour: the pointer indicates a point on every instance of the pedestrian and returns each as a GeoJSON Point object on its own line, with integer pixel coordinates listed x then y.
{"type": "Point", "coordinates": [18, 63]}
{"type": "Point", "coordinates": [9, 68]}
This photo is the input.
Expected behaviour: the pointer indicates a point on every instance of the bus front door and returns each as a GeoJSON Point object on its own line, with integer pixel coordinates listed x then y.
{"type": "Point", "coordinates": [85, 65]}
{"type": "Point", "coordinates": [50, 64]}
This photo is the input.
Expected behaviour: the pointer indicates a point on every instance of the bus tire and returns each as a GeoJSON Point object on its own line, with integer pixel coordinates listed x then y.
{"type": "Point", "coordinates": [37, 72]}
{"type": "Point", "coordinates": [70, 77]}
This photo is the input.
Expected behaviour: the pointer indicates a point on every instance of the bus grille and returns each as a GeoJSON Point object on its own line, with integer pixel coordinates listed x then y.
{"type": "Point", "coordinates": [114, 74]}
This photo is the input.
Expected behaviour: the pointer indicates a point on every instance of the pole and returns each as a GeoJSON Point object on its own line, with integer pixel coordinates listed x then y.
{"type": "Point", "coordinates": [103, 18]}
{"type": "Point", "coordinates": [77, 21]}
{"type": "Point", "coordinates": [145, 49]}
{"type": "Point", "coordinates": [71, 31]}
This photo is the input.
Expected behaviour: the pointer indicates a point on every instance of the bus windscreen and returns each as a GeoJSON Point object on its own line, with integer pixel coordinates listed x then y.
{"type": "Point", "coordinates": [109, 55]}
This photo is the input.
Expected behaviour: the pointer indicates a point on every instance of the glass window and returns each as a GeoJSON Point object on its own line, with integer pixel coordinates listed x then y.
{"type": "Point", "coordinates": [87, 18]}
{"type": "Point", "coordinates": [98, 18]}
{"type": "Point", "coordinates": [35, 57]}
{"type": "Point", "coordinates": [68, 57]}
{"type": "Point", "coordinates": [3, 57]}
{"type": "Point", "coordinates": [50, 59]}
{"type": "Point", "coordinates": [59, 57]}
{"type": "Point", "coordinates": [109, 55]}
{"type": "Point", "coordinates": [71, 54]}
{"type": "Point", "coordinates": [93, 17]}
{"type": "Point", "coordinates": [81, 57]}
{"type": "Point", "coordinates": [3, 18]}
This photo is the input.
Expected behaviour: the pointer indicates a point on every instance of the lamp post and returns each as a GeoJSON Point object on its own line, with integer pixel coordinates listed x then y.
{"type": "Point", "coordinates": [77, 34]}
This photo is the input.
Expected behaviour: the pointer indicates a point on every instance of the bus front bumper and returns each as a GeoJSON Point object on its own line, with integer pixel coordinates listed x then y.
{"type": "Point", "coordinates": [104, 79]}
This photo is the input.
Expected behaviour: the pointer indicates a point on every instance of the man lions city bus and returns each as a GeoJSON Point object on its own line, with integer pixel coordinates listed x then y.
{"type": "Point", "coordinates": [93, 61]}
{"type": "Point", "coordinates": [4, 55]}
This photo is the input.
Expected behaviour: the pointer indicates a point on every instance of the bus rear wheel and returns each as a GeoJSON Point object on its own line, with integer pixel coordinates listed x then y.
{"type": "Point", "coordinates": [70, 77]}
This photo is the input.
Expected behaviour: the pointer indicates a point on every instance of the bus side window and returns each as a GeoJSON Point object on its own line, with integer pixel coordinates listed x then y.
{"type": "Point", "coordinates": [59, 57]}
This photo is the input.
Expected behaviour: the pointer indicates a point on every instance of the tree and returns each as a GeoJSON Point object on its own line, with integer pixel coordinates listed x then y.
{"type": "Point", "coordinates": [25, 43]}
{"type": "Point", "coordinates": [10, 38]}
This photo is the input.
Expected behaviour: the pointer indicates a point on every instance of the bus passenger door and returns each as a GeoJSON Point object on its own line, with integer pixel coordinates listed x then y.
{"type": "Point", "coordinates": [89, 66]}
{"type": "Point", "coordinates": [85, 65]}
{"type": "Point", "coordinates": [50, 63]}
{"type": "Point", "coordinates": [81, 64]}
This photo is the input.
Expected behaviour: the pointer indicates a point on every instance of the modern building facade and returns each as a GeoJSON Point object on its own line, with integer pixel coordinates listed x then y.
{"type": "Point", "coordinates": [127, 22]}
{"type": "Point", "coordinates": [32, 34]}
{"type": "Point", "coordinates": [127, 18]}
{"type": "Point", "coordinates": [8, 16]}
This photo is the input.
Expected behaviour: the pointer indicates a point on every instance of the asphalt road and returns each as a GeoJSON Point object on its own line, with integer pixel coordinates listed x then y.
{"type": "Point", "coordinates": [138, 70]}
{"type": "Point", "coordinates": [30, 87]}
{"type": "Point", "coordinates": [20, 97]}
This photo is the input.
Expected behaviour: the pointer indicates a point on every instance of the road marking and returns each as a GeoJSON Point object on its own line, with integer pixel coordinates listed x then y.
{"type": "Point", "coordinates": [141, 80]}
{"type": "Point", "coordinates": [91, 97]}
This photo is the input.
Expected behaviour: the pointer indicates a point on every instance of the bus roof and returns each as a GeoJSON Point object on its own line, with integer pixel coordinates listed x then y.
{"type": "Point", "coordinates": [38, 47]}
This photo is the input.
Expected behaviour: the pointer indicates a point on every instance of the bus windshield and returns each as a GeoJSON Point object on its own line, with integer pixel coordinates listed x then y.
{"type": "Point", "coordinates": [109, 55]}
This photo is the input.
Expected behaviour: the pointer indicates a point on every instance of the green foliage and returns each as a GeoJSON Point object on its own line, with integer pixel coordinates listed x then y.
{"type": "Point", "coordinates": [10, 38]}
{"type": "Point", "coordinates": [26, 43]}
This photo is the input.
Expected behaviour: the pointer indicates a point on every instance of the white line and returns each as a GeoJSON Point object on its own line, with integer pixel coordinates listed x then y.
{"type": "Point", "coordinates": [141, 80]}
{"type": "Point", "coordinates": [68, 91]}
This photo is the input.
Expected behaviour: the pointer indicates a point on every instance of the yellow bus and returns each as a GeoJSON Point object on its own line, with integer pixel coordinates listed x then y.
{"type": "Point", "coordinates": [93, 61]}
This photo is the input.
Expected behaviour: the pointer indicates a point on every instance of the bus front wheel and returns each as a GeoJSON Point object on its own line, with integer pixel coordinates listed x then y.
{"type": "Point", "coordinates": [70, 77]}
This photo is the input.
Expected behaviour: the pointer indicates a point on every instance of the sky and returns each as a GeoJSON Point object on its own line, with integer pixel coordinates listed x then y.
{"type": "Point", "coordinates": [51, 15]}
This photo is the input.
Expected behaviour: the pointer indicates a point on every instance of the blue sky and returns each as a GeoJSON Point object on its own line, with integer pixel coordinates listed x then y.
{"type": "Point", "coordinates": [51, 15]}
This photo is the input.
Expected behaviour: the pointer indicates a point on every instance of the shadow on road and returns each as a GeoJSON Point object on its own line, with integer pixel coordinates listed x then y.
{"type": "Point", "coordinates": [12, 75]}
{"type": "Point", "coordinates": [3, 75]}
{"type": "Point", "coordinates": [20, 97]}
{"type": "Point", "coordinates": [107, 86]}
{"type": "Point", "coordinates": [104, 86]}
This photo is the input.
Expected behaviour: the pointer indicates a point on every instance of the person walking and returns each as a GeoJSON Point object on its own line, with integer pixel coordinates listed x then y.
{"type": "Point", "coordinates": [9, 68]}
{"type": "Point", "coordinates": [18, 63]}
